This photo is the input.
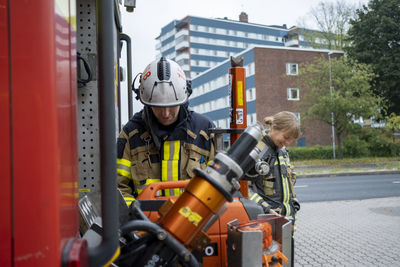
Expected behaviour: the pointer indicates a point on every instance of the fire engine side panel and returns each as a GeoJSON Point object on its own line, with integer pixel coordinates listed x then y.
{"type": "Point", "coordinates": [5, 141]}
{"type": "Point", "coordinates": [65, 35]}
{"type": "Point", "coordinates": [35, 158]}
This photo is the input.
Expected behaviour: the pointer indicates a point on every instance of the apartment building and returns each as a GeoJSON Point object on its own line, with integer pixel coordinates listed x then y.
{"type": "Point", "coordinates": [272, 56]}
{"type": "Point", "coordinates": [271, 74]}
{"type": "Point", "coordinates": [198, 44]}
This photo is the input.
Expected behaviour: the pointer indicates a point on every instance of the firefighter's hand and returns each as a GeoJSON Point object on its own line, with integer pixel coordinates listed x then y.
{"type": "Point", "coordinates": [271, 211]}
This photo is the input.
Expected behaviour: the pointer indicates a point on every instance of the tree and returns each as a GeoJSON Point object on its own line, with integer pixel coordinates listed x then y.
{"type": "Point", "coordinates": [393, 124]}
{"type": "Point", "coordinates": [332, 21]}
{"type": "Point", "coordinates": [375, 39]}
{"type": "Point", "coordinates": [350, 99]}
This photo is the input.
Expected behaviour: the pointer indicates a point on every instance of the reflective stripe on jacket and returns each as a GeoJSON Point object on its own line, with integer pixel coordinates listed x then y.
{"type": "Point", "coordinates": [189, 145]}
{"type": "Point", "coordinates": [277, 187]}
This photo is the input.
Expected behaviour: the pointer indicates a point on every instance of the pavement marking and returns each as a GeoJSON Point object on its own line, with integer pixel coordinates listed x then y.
{"type": "Point", "coordinates": [297, 186]}
{"type": "Point", "coordinates": [396, 182]}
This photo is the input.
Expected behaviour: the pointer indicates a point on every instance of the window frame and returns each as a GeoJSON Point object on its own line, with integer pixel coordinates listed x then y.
{"type": "Point", "coordinates": [289, 94]}
{"type": "Point", "coordinates": [289, 69]}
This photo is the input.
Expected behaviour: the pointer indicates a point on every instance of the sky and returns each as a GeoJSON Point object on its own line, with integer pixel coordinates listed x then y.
{"type": "Point", "coordinates": [149, 16]}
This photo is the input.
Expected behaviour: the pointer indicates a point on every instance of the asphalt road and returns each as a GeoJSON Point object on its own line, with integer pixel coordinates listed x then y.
{"type": "Point", "coordinates": [347, 187]}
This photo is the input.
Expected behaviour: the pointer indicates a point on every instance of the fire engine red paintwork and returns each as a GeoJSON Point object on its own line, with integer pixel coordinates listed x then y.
{"type": "Point", "coordinates": [5, 161]}
{"type": "Point", "coordinates": [41, 190]}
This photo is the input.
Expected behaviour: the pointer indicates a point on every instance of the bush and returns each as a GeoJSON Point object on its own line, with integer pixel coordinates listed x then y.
{"type": "Point", "coordinates": [395, 149]}
{"type": "Point", "coordinates": [311, 152]}
{"type": "Point", "coordinates": [355, 148]}
{"type": "Point", "coordinates": [379, 143]}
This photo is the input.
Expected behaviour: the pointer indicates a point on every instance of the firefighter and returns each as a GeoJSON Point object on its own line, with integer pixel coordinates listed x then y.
{"type": "Point", "coordinates": [275, 191]}
{"type": "Point", "coordinates": [165, 141]}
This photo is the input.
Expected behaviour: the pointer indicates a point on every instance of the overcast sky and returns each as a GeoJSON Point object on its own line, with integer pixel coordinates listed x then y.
{"type": "Point", "coordinates": [149, 16]}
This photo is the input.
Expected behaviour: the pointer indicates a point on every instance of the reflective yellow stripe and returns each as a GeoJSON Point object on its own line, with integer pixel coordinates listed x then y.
{"type": "Point", "coordinates": [286, 195]}
{"type": "Point", "coordinates": [124, 162]}
{"type": "Point", "coordinates": [284, 160]}
{"type": "Point", "coordinates": [124, 173]}
{"type": "Point", "coordinates": [123, 167]}
{"type": "Point", "coordinates": [255, 197]}
{"type": "Point", "coordinates": [129, 200]}
{"type": "Point", "coordinates": [170, 164]}
{"type": "Point", "coordinates": [148, 181]}
{"type": "Point", "coordinates": [175, 165]}
{"type": "Point", "coordinates": [142, 186]}
{"type": "Point", "coordinates": [177, 147]}
{"type": "Point", "coordinates": [166, 150]}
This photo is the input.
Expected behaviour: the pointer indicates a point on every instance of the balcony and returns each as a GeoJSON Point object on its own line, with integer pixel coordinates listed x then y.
{"type": "Point", "coordinates": [182, 45]}
{"type": "Point", "coordinates": [292, 43]}
{"type": "Point", "coordinates": [182, 56]}
{"type": "Point", "coordinates": [183, 32]}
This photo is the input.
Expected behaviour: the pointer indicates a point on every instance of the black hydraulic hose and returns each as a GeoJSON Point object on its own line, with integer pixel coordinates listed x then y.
{"type": "Point", "coordinates": [162, 235]}
{"type": "Point", "coordinates": [104, 252]}
{"type": "Point", "coordinates": [127, 39]}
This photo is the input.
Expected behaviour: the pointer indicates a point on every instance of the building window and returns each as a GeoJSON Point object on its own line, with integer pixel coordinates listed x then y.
{"type": "Point", "coordinates": [292, 68]}
{"type": "Point", "coordinates": [293, 94]}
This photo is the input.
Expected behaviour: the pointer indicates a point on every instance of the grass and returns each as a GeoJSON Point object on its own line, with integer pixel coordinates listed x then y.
{"type": "Point", "coordinates": [333, 162]}
{"type": "Point", "coordinates": [347, 165]}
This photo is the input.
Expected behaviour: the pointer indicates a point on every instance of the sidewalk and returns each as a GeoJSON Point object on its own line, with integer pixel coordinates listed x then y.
{"type": "Point", "coordinates": [309, 171]}
{"type": "Point", "coordinates": [348, 233]}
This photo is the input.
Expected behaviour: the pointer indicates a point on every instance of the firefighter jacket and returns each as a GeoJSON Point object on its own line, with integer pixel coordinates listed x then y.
{"type": "Point", "coordinates": [150, 152]}
{"type": "Point", "coordinates": [276, 189]}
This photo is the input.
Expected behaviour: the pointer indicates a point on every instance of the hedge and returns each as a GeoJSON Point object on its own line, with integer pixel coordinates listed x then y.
{"type": "Point", "coordinates": [311, 152]}
{"type": "Point", "coordinates": [352, 148]}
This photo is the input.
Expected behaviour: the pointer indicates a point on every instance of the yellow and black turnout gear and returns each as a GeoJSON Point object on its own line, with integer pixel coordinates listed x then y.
{"type": "Point", "coordinates": [150, 152]}
{"type": "Point", "coordinates": [276, 189]}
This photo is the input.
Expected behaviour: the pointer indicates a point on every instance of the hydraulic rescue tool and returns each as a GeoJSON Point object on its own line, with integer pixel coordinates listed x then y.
{"type": "Point", "coordinates": [179, 235]}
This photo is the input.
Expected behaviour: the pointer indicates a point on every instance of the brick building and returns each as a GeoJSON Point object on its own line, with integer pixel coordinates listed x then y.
{"type": "Point", "coordinates": [271, 74]}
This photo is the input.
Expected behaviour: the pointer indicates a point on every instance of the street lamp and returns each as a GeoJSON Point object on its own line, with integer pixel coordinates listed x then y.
{"type": "Point", "coordinates": [330, 90]}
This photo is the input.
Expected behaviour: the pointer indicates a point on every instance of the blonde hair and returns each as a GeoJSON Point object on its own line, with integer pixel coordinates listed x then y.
{"type": "Point", "coordinates": [284, 121]}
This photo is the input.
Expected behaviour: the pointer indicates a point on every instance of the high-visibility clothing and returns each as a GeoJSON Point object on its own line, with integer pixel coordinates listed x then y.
{"type": "Point", "coordinates": [276, 189]}
{"type": "Point", "coordinates": [149, 152]}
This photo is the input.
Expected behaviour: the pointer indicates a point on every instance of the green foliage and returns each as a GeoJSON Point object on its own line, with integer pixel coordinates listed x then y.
{"type": "Point", "coordinates": [393, 123]}
{"type": "Point", "coordinates": [362, 142]}
{"type": "Point", "coordinates": [355, 148]}
{"type": "Point", "coordinates": [375, 40]}
{"type": "Point", "coordinates": [311, 152]}
{"type": "Point", "coordinates": [380, 143]}
{"type": "Point", "coordinates": [349, 99]}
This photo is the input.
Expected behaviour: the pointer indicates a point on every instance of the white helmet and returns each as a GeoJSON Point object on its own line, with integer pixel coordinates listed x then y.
{"type": "Point", "coordinates": [163, 84]}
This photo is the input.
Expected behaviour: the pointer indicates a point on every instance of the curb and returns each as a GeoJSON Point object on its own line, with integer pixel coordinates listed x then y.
{"type": "Point", "coordinates": [375, 172]}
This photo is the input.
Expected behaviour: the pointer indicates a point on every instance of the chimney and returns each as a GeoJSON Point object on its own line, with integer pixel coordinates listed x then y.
{"type": "Point", "coordinates": [243, 17]}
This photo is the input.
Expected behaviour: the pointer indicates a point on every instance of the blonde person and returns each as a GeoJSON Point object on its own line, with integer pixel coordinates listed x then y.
{"type": "Point", "coordinates": [275, 191]}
